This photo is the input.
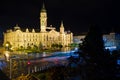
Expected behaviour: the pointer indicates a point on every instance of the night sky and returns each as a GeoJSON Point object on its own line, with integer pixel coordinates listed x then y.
{"type": "Point", "coordinates": [77, 15]}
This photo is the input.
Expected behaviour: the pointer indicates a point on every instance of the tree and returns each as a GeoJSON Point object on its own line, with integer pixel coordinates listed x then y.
{"type": "Point", "coordinates": [35, 48]}
{"type": "Point", "coordinates": [93, 45]}
{"type": "Point", "coordinates": [93, 54]}
{"type": "Point", "coordinates": [41, 46]}
{"type": "Point", "coordinates": [26, 77]}
{"type": "Point", "coordinates": [21, 47]}
{"type": "Point", "coordinates": [29, 47]}
{"type": "Point", "coordinates": [3, 76]}
{"type": "Point", "coordinates": [60, 46]}
{"type": "Point", "coordinates": [15, 68]}
{"type": "Point", "coordinates": [54, 46]}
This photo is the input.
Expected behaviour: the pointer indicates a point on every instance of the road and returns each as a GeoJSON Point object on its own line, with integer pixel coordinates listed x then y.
{"type": "Point", "coordinates": [41, 63]}
{"type": "Point", "coordinates": [56, 59]}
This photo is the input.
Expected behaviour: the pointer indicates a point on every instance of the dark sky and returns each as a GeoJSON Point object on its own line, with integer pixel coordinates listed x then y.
{"type": "Point", "coordinates": [76, 14]}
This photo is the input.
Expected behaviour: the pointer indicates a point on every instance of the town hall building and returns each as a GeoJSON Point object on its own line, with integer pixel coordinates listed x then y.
{"type": "Point", "coordinates": [45, 37]}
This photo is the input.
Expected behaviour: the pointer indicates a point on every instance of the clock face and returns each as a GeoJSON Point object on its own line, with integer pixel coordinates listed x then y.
{"type": "Point", "coordinates": [43, 22]}
{"type": "Point", "coordinates": [44, 16]}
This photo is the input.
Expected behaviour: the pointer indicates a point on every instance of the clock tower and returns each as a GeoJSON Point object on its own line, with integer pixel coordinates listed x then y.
{"type": "Point", "coordinates": [62, 28]}
{"type": "Point", "coordinates": [43, 19]}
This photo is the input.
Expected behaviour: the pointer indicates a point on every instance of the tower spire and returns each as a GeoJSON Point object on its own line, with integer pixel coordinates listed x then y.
{"type": "Point", "coordinates": [62, 24]}
{"type": "Point", "coordinates": [61, 27]}
{"type": "Point", "coordinates": [16, 25]}
{"type": "Point", "coordinates": [43, 19]}
{"type": "Point", "coordinates": [43, 8]}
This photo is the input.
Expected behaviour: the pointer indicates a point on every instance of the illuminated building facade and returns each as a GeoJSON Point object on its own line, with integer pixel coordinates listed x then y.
{"type": "Point", "coordinates": [18, 38]}
{"type": "Point", "coordinates": [78, 39]}
{"type": "Point", "coordinates": [112, 41]}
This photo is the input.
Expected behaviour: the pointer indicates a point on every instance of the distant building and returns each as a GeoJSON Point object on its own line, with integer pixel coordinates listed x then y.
{"type": "Point", "coordinates": [112, 41]}
{"type": "Point", "coordinates": [78, 39]}
{"type": "Point", "coordinates": [45, 37]}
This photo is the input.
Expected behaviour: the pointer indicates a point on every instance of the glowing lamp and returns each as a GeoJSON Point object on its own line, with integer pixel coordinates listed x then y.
{"type": "Point", "coordinates": [28, 63]}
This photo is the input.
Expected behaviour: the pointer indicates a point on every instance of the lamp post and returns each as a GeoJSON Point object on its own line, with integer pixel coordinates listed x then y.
{"type": "Point", "coordinates": [28, 63]}
{"type": "Point", "coordinates": [7, 45]}
{"type": "Point", "coordinates": [7, 55]}
{"type": "Point", "coordinates": [10, 68]}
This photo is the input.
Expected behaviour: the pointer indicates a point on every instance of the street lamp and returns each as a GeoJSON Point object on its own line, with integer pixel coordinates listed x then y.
{"type": "Point", "coordinates": [28, 63]}
{"type": "Point", "coordinates": [10, 68]}
{"type": "Point", "coordinates": [7, 45]}
{"type": "Point", "coordinates": [7, 56]}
